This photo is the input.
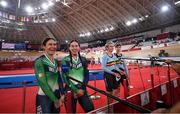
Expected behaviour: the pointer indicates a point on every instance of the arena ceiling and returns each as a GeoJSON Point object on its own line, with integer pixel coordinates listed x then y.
{"type": "Point", "coordinates": [88, 20]}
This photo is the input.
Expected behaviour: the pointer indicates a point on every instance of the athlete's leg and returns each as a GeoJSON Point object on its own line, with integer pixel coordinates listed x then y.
{"type": "Point", "coordinates": [116, 92]}
{"type": "Point", "coordinates": [127, 83]}
{"type": "Point", "coordinates": [86, 103]}
{"type": "Point", "coordinates": [43, 104]}
{"type": "Point", "coordinates": [74, 102]}
{"type": "Point", "coordinates": [108, 79]}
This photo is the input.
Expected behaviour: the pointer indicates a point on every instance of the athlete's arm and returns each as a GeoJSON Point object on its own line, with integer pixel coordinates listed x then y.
{"type": "Point", "coordinates": [86, 74]}
{"type": "Point", "coordinates": [42, 81]}
{"type": "Point", "coordinates": [61, 87]}
{"type": "Point", "coordinates": [65, 72]}
{"type": "Point", "coordinates": [60, 81]}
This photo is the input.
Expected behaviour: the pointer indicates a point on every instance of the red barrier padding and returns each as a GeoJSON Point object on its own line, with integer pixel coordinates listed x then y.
{"type": "Point", "coordinates": [68, 102]}
{"type": "Point", "coordinates": [152, 80]}
{"type": "Point", "coordinates": [125, 89]}
{"type": "Point", "coordinates": [170, 98]}
{"type": "Point", "coordinates": [15, 65]}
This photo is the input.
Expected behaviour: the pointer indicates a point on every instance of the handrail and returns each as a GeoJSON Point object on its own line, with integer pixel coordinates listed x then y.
{"type": "Point", "coordinates": [133, 106]}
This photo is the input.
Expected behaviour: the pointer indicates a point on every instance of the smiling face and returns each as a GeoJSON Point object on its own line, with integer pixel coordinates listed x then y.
{"type": "Point", "coordinates": [74, 48]}
{"type": "Point", "coordinates": [110, 48]}
{"type": "Point", "coordinates": [118, 49]}
{"type": "Point", "coordinates": [50, 47]}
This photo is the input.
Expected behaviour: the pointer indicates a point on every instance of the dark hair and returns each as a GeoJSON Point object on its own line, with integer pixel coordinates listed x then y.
{"type": "Point", "coordinates": [73, 41]}
{"type": "Point", "coordinates": [78, 54]}
{"type": "Point", "coordinates": [117, 44]}
{"type": "Point", "coordinates": [46, 40]}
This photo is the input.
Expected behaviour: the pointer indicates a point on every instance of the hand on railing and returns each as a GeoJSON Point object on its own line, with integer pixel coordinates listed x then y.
{"type": "Point", "coordinates": [57, 104]}
{"type": "Point", "coordinates": [62, 99]}
{"type": "Point", "coordinates": [117, 75]}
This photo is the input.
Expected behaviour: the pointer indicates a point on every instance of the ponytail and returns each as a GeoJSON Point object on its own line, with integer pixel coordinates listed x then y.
{"type": "Point", "coordinates": [83, 64]}
{"type": "Point", "coordinates": [70, 59]}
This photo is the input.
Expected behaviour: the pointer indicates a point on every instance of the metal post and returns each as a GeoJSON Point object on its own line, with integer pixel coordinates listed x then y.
{"type": "Point", "coordinates": [94, 97]}
{"type": "Point", "coordinates": [24, 97]}
{"type": "Point", "coordinates": [170, 85]}
{"type": "Point", "coordinates": [152, 80]}
{"type": "Point", "coordinates": [125, 89]}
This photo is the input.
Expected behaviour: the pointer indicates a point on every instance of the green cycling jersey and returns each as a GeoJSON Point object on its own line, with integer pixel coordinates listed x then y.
{"type": "Point", "coordinates": [47, 75]}
{"type": "Point", "coordinates": [76, 69]}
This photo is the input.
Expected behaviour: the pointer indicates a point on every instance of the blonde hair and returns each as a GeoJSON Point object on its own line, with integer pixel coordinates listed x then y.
{"type": "Point", "coordinates": [107, 44]}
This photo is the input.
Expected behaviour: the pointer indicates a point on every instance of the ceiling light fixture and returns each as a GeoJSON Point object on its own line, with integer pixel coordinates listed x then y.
{"type": "Point", "coordinates": [50, 3]}
{"type": "Point", "coordinates": [102, 30]}
{"type": "Point", "coordinates": [88, 34]}
{"type": "Point", "coordinates": [141, 18]}
{"type": "Point", "coordinates": [111, 28]}
{"type": "Point", "coordinates": [164, 8]}
{"type": "Point", "coordinates": [146, 16]}
{"type": "Point", "coordinates": [3, 3]}
{"type": "Point", "coordinates": [53, 19]}
{"type": "Point", "coordinates": [134, 20]}
{"type": "Point", "coordinates": [128, 23]}
{"type": "Point", "coordinates": [85, 34]}
{"type": "Point", "coordinates": [176, 3]}
{"type": "Point", "coordinates": [29, 9]}
{"type": "Point", "coordinates": [106, 30]}
{"type": "Point", "coordinates": [46, 20]}
{"type": "Point", "coordinates": [45, 6]}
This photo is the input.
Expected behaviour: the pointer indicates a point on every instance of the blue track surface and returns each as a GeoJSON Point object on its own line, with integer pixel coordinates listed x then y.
{"type": "Point", "coordinates": [13, 81]}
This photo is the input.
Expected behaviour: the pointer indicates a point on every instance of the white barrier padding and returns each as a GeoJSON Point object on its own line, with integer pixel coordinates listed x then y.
{"type": "Point", "coordinates": [144, 98]}
{"type": "Point", "coordinates": [175, 83]}
{"type": "Point", "coordinates": [163, 89]}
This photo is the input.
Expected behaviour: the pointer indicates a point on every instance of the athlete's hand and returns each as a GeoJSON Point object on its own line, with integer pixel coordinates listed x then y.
{"type": "Point", "coordinates": [117, 75]}
{"type": "Point", "coordinates": [122, 73]}
{"type": "Point", "coordinates": [57, 104]}
{"type": "Point", "coordinates": [168, 61]}
{"type": "Point", "coordinates": [62, 100]}
{"type": "Point", "coordinates": [80, 93]}
{"type": "Point", "coordinates": [75, 95]}
{"type": "Point", "coordinates": [160, 111]}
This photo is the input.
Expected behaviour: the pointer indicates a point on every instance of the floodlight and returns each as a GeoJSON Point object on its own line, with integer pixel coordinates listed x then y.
{"type": "Point", "coordinates": [164, 8]}
{"type": "Point", "coordinates": [128, 23]}
{"type": "Point", "coordinates": [134, 20]}
{"type": "Point", "coordinates": [29, 9]}
{"type": "Point", "coordinates": [3, 3]}
{"type": "Point", "coordinates": [53, 19]}
{"type": "Point", "coordinates": [45, 6]}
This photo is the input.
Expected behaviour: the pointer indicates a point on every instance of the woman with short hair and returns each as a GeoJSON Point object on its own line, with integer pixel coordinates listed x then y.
{"type": "Point", "coordinates": [111, 70]}
{"type": "Point", "coordinates": [49, 80]}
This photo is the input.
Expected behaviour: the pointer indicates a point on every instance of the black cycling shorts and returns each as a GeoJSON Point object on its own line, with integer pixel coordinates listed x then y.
{"type": "Point", "coordinates": [111, 82]}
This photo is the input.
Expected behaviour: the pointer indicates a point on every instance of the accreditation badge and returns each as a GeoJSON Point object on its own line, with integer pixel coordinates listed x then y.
{"type": "Point", "coordinates": [41, 75]}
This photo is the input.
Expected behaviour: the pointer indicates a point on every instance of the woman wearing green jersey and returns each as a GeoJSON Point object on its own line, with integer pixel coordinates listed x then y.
{"type": "Point", "coordinates": [49, 80]}
{"type": "Point", "coordinates": [75, 66]}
